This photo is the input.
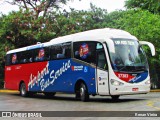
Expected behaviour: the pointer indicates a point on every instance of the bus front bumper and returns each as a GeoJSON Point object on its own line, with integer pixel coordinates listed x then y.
{"type": "Point", "coordinates": [128, 90]}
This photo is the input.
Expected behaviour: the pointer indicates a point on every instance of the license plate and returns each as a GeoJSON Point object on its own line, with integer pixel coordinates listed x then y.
{"type": "Point", "coordinates": [134, 89]}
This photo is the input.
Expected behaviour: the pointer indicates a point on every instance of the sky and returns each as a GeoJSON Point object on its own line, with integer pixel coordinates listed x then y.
{"type": "Point", "coordinates": [110, 5]}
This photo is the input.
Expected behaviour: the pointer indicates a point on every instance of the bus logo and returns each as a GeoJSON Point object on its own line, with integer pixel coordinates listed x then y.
{"type": "Point", "coordinates": [83, 51]}
{"type": "Point", "coordinates": [77, 68]}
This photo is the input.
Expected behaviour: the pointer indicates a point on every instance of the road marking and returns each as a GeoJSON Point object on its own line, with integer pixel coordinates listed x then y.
{"type": "Point", "coordinates": [151, 104]}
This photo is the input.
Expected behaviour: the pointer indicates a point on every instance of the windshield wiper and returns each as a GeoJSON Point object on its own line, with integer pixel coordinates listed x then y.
{"type": "Point", "coordinates": [133, 68]}
{"type": "Point", "coordinates": [124, 67]}
{"type": "Point", "coordinates": [140, 69]}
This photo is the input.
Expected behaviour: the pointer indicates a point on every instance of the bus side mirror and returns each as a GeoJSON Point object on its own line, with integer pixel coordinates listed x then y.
{"type": "Point", "coordinates": [151, 46]}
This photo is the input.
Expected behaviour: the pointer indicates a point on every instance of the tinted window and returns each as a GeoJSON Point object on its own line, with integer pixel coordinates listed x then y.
{"type": "Point", "coordinates": [60, 51]}
{"type": "Point", "coordinates": [25, 57]}
{"type": "Point", "coordinates": [101, 57]}
{"type": "Point", "coordinates": [85, 51]}
{"type": "Point", "coordinates": [14, 58]}
{"type": "Point", "coordinates": [41, 54]}
{"type": "Point", "coordinates": [101, 60]}
{"type": "Point", "coordinates": [8, 59]}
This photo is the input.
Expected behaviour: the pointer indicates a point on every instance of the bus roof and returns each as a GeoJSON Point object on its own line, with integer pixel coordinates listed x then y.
{"type": "Point", "coordinates": [101, 35]}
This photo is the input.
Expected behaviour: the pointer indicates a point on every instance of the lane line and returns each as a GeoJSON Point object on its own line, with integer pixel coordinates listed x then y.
{"type": "Point", "coordinates": [151, 104]}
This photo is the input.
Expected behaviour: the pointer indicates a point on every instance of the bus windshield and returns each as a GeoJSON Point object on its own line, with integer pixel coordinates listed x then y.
{"type": "Point", "coordinates": [128, 56]}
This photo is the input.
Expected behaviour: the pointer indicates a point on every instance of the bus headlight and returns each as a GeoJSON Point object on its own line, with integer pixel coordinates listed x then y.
{"type": "Point", "coordinates": [148, 82]}
{"type": "Point", "coordinates": [116, 83]}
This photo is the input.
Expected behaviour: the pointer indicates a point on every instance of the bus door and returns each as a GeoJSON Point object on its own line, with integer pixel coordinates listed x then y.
{"type": "Point", "coordinates": [102, 73]}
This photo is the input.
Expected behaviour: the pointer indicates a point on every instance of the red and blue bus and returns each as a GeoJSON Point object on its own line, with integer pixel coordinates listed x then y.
{"type": "Point", "coordinates": [102, 62]}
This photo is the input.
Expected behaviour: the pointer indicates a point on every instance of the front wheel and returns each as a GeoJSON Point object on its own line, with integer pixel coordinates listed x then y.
{"type": "Point", "coordinates": [84, 93]}
{"type": "Point", "coordinates": [23, 91]}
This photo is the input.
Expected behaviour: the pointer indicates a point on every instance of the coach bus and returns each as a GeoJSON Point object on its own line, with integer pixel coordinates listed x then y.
{"type": "Point", "coordinates": [105, 62]}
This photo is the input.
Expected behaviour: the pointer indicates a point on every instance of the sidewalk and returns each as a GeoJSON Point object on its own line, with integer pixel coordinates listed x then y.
{"type": "Point", "coordinates": [15, 91]}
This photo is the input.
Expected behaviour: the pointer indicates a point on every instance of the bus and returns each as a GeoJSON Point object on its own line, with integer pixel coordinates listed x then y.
{"type": "Point", "coordinates": [105, 62]}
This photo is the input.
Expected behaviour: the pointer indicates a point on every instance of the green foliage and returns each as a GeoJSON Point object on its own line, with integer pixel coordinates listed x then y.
{"type": "Point", "coordinates": [38, 6]}
{"type": "Point", "coordinates": [146, 27]}
{"type": "Point", "coordinates": [24, 27]}
{"type": "Point", "coordinates": [151, 5]}
{"type": "Point", "coordinates": [21, 29]}
{"type": "Point", "coordinates": [77, 21]}
{"type": "Point", "coordinates": [143, 24]}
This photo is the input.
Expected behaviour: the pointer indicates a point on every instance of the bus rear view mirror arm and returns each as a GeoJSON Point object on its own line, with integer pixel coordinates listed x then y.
{"type": "Point", "coordinates": [151, 46]}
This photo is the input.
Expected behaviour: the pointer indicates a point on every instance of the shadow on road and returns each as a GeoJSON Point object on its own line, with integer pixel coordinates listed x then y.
{"type": "Point", "coordinates": [71, 97]}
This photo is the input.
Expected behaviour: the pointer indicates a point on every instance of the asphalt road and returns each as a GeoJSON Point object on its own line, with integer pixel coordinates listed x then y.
{"type": "Point", "coordinates": [67, 102]}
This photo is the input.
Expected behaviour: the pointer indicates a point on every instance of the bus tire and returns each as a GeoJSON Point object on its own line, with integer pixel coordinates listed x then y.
{"type": "Point", "coordinates": [23, 91]}
{"type": "Point", "coordinates": [84, 96]}
{"type": "Point", "coordinates": [49, 94]}
{"type": "Point", "coordinates": [115, 97]}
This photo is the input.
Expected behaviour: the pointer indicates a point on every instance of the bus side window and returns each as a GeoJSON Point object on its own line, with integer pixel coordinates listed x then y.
{"type": "Point", "coordinates": [54, 51]}
{"type": "Point", "coordinates": [41, 54]}
{"type": "Point", "coordinates": [22, 57]}
{"type": "Point", "coordinates": [60, 51]}
{"type": "Point", "coordinates": [8, 59]}
{"type": "Point", "coordinates": [101, 57]}
{"type": "Point", "coordinates": [28, 56]}
{"type": "Point", "coordinates": [14, 58]}
{"type": "Point", "coordinates": [60, 56]}
{"type": "Point", "coordinates": [47, 53]}
{"type": "Point", "coordinates": [101, 60]}
{"type": "Point", "coordinates": [66, 50]}
{"type": "Point", "coordinates": [25, 56]}
{"type": "Point", "coordinates": [85, 51]}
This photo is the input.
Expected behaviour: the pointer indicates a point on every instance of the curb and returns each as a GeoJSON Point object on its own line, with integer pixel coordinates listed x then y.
{"type": "Point", "coordinates": [157, 90]}
{"type": "Point", "coordinates": [9, 91]}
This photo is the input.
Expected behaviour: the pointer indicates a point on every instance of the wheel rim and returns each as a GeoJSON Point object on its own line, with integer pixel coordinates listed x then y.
{"type": "Point", "coordinates": [23, 89]}
{"type": "Point", "coordinates": [81, 91]}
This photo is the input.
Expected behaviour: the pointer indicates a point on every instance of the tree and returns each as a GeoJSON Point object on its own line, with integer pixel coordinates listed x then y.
{"type": "Point", "coordinates": [38, 6]}
{"type": "Point", "coordinates": [146, 27]}
{"type": "Point", "coordinates": [78, 21]}
{"type": "Point", "coordinates": [31, 23]}
{"type": "Point", "coordinates": [142, 24]}
{"type": "Point", "coordinates": [151, 5]}
{"type": "Point", "coordinates": [20, 29]}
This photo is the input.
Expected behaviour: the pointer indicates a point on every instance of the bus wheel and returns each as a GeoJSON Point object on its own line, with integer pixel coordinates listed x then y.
{"type": "Point", "coordinates": [84, 93]}
{"type": "Point", "coordinates": [23, 91]}
{"type": "Point", "coordinates": [49, 94]}
{"type": "Point", "coordinates": [115, 97]}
